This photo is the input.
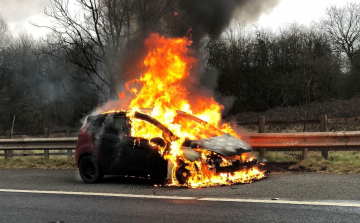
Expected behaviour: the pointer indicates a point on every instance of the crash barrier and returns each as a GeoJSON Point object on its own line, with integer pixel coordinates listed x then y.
{"type": "Point", "coordinates": [305, 141]}
{"type": "Point", "coordinates": [46, 134]}
{"type": "Point", "coordinates": [323, 121]}
{"type": "Point", "coordinates": [309, 141]}
{"type": "Point", "coordinates": [45, 144]}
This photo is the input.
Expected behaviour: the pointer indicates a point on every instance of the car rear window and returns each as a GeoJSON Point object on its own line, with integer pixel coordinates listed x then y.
{"type": "Point", "coordinates": [95, 123]}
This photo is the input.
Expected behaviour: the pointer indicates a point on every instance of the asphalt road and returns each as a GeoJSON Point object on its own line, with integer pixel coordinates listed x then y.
{"type": "Point", "coordinates": [29, 208]}
{"type": "Point", "coordinates": [291, 186]}
{"type": "Point", "coordinates": [303, 196]}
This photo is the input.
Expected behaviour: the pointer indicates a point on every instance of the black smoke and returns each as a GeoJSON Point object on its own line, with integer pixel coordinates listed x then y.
{"type": "Point", "coordinates": [211, 17]}
{"type": "Point", "coordinates": [195, 19]}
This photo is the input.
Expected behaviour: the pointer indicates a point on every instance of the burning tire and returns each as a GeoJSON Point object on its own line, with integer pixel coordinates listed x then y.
{"type": "Point", "coordinates": [89, 169]}
{"type": "Point", "coordinates": [182, 174]}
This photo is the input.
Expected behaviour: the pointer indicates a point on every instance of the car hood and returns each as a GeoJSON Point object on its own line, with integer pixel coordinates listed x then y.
{"type": "Point", "coordinates": [226, 145]}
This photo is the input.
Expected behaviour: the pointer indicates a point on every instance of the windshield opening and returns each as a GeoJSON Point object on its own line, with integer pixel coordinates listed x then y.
{"type": "Point", "coordinates": [194, 128]}
{"type": "Point", "coordinates": [143, 129]}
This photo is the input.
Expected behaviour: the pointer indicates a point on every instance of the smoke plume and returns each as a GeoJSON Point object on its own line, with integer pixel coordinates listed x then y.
{"type": "Point", "coordinates": [211, 17]}
{"type": "Point", "coordinates": [196, 19]}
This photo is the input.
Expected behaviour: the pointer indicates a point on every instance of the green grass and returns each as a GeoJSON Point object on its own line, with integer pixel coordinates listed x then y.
{"type": "Point", "coordinates": [338, 162]}
{"type": "Point", "coordinates": [283, 156]}
{"type": "Point", "coordinates": [61, 163]}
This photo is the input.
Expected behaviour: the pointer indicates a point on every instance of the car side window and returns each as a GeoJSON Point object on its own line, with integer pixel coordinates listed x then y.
{"type": "Point", "coordinates": [95, 123]}
{"type": "Point", "coordinates": [119, 123]}
{"type": "Point", "coordinates": [145, 129]}
{"type": "Point", "coordinates": [115, 125]}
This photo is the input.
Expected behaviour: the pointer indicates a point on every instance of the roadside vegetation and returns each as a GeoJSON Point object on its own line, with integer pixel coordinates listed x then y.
{"type": "Point", "coordinates": [54, 83]}
{"type": "Point", "coordinates": [55, 163]}
{"type": "Point", "coordinates": [294, 72]}
{"type": "Point", "coordinates": [338, 162]}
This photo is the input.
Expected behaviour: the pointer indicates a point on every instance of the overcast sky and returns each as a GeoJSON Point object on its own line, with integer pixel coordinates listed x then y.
{"type": "Point", "coordinates": [18, 13]}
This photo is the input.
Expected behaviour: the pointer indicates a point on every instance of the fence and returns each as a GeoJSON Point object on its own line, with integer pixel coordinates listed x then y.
{"type": "Point", "coordinates": [286, 139]}
{"type": "Point", "coordinates": [37, 143]}
{"type": "Point", "coordinates": [323, 121]}
{"type": "Point", "coordinates": [46, 144]}
{"type": "Point", "coordinates": [310, 141]}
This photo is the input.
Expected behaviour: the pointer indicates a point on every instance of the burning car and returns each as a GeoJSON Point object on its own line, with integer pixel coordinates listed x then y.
{"type": "Point", "coordinates": [109, 143]}
{"type": "Point", "coordinates": [181, 138]}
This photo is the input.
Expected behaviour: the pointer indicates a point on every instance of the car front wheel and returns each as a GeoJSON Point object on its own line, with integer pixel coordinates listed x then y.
{"type": "Point", "coordinates": [89, 169]}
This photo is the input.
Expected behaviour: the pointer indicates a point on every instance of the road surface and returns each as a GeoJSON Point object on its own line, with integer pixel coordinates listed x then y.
{"type": "Point", "coordinates": [60, 196]}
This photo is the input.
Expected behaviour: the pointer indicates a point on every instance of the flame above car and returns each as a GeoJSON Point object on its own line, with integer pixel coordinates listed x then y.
{"type": "Point", "coordinates": [162, 88]}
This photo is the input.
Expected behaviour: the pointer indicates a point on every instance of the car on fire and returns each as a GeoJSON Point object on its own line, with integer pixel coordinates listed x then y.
{"type": "Point", "coordinates": [105, 147]}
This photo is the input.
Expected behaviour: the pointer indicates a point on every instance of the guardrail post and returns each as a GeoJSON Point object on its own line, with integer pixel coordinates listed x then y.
{"type": "Point", "coordinates": [68, 134]}
{"type": "Point", "coordinates": [8, 153]}
{"type": "Point", "coordinates": [324, 128]}
{"type": "Point", "coordinates": [305, 153]}
{"type": "Point", "coordinates": [46, 151]}
{"type": "Point", "coordinates": [262, 129]}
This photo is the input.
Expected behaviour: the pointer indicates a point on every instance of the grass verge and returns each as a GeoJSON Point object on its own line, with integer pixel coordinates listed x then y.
{"type": "Point", "coordinates": [55, 163]}
{"type": "Point", "coordinates": [338, 162]}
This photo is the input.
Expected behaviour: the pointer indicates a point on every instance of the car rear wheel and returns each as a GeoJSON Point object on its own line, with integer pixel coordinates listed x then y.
{"type": "Point", "coordinates": [89, 169]}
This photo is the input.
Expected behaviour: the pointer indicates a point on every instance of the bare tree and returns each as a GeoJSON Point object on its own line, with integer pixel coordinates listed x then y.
{"type": "Point", "coordinates": [91, 38]}
{"type": "Point", "coordinates": [342, 25]}
{"type": "Point", "coordinates": [96, 37]}
{"type": "Point", "coordinates": [155, 15]}
{"type": "Point", "coordinates": [3, 33]}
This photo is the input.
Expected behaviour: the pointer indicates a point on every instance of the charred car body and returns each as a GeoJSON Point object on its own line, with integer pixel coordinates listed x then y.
{"type": "Point", "coordinates": [105, 146]}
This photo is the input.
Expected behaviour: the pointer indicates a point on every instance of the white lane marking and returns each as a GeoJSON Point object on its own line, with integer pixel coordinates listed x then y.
{"type": "Point", "coordinates": [95, 194]}
{"type": "Point", "coordinates": [313, 203]}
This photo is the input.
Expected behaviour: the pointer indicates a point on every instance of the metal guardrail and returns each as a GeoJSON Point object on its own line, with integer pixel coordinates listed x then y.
{"type": "Point", "coordinates": [45, 144]}
{"type": "Point", "coordinates": [38, 143]}
{"type": "Point", "coordinates": [310, 141]}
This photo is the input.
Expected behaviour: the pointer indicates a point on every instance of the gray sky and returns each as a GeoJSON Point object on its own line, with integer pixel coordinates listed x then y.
{"type": "Point", "coordinates": [17, 13]}
{"type": "Point", "coordinates": [300, 11]}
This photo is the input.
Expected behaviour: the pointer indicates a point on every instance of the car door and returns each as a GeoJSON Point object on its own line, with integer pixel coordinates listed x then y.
{"type": "Point", "coordinates": [112, 145]}
{"type": "Point", "coordinates": [144, 159]}
{"type": "Point", "coordinates": [121, 153]}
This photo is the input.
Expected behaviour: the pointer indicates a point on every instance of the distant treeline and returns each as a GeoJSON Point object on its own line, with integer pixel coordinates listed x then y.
{"type": "Point", "coordinates": [55, 82]}
{"type": "Point", "coordinates": [263, 69]}
{"type": "Point", "coordinates": [37, 88]}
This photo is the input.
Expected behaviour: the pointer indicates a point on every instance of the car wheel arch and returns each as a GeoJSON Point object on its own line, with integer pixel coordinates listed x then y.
{"type": "Point", "coordinates": [82, 156]}
{"type": "Point", "coordinates": [89, 169]}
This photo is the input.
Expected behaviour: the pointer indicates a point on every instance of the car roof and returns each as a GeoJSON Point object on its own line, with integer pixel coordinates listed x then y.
{"type": "Point", "coordinates": [139, 115]}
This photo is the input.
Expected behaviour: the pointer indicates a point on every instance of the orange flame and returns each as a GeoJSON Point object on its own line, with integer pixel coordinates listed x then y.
{"type": "Point", "coordinates": [162, 88]}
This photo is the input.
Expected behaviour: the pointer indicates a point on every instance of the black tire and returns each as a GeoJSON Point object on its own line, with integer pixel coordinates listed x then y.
{"type": "Point", "coordinates": [89, 169]}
